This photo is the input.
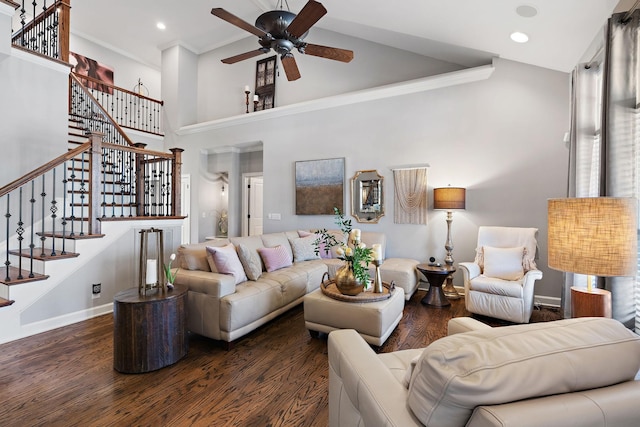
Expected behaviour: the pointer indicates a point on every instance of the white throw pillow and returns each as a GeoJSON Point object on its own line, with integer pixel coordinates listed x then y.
{"type": "Point", "coordinates": [503, 263]}
{"type": "Point", "coordinates": [304, 248]}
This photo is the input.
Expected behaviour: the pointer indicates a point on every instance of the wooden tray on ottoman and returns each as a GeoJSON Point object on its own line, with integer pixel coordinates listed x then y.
{"type": "Point", "coordinates": [330, 289]}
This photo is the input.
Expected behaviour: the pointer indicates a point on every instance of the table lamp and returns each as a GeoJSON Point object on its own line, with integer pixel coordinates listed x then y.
{"type": "Point", "coordinates": [594, 236]}
{"type": "Point", "coordinates": [449, 198]}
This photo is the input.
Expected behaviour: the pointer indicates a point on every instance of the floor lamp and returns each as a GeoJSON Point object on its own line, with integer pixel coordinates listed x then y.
{"type": "Point", "coordinates": [595, 236]}
{"type": "Point", "coordinates": [449, 198]}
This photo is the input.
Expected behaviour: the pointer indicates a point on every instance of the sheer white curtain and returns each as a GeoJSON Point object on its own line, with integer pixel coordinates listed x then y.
{"type": "Point", "coordinates": [605, 155]}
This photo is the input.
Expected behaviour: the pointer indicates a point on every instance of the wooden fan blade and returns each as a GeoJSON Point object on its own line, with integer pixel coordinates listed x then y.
{"type": "Point", "coordinates": [242, 56]}
{"type": "Point", "coordinates": [334, 53]}
{"type": "Point", "coordinates": [309, 15]}
{"type": "Point", "coordinates": [290, 67]}
{"type": "Point", "coordinates": [234, 20]}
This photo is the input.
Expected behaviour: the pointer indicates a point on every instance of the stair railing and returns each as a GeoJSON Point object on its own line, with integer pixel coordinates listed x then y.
{"type": "Point", "coordinates": [128, 109]}
{"type": "Point", "coordinates": [85, 108]}
{"type": "Point", "coordinates": [94, 182]}
{"type": "Point", "coordinates": [43, 29]}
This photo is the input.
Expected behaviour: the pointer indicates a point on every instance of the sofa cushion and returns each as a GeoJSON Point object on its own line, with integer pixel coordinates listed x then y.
{"type": "Point", "coordinates": [194, 256]}
{"type": "Point", "coordinates": [304, 248]}
{"type": "Point", "coordinates": [457, 373]}
{"type": "Point", "coordinates": [503, 263]}
{"type": "Point", "coordinates": [251, 261]}
{"type": "Point", "coordinates": [275, 258]}
{"type": "Point", "coordinates": [323, 251]}
{"type": "Point", "coordinates": [226, 261]}
{"type": "Point", "coordinates": [274, 239]}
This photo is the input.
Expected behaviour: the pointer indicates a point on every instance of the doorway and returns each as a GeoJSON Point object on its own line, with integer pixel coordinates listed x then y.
{"type": "Point", "coordinates": [252, 202]}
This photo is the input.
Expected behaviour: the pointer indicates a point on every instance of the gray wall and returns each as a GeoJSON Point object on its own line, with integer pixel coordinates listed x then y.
{"type": "Point", "coordinates": [500, 138]}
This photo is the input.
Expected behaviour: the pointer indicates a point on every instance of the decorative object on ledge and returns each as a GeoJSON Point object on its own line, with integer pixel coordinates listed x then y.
{"type": "Point", "coordinates": [151, 277]}
{"type": "Point", "coordinates": [256, 99]}
{"type": "Point", "coordinates": [367, 198]}
{"type": "Point", "coordinates": [410, 195]}
{"type": "Point", "coordinates": [595, 236]}
{"type": "Point", "coordinates": [449, 198]}
{"type": "Point", "coordinates": [265, 84]}
{"type": "Point", "coordinates": [283, 32]}
{"type": "Point", "coordinates": [141, 89]}
{"type": "Point", "coordinates": [246, 95]}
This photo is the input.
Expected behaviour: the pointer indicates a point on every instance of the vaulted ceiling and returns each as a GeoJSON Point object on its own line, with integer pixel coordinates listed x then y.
{"type": "Point", "coordinates": [466, 32]}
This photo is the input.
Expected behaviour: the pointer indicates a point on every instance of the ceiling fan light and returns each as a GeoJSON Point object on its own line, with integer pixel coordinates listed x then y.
{"type": "Point", "coordinates": [519, 37]}
{"type": "Point", "coordinates": [161, 26]}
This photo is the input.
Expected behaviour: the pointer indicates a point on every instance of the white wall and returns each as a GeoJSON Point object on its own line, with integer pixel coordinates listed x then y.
{"type": "Point", "coordinates": [500, 138]}
{"type": "Point", "coordinates": [126, 71]}
{"type": "Point", "coordinates": [34, 112]}
{"type": "Point", "coordinates": [221, 86]}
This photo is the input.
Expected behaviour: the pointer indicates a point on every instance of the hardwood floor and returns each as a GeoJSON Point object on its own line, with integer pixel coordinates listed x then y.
{"type": "Point", "coordinates": [275, 376]}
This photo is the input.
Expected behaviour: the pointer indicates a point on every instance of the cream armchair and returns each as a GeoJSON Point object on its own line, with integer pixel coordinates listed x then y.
{"type": "Point", "coordinates": [500, 282]}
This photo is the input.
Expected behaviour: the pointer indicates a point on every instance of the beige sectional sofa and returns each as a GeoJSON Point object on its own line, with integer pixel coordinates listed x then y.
{"type": "Point", "coordinates": [565, 373]}
{"type": "Point", "coordinates": [224, 307]}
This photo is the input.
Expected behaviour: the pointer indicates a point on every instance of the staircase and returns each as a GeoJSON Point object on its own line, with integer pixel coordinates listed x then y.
{"type": "Point", "coordinates": [103, 177]}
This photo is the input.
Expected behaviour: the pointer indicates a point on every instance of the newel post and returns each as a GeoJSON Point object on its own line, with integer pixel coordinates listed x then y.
{"type": "Point", "coordinates": [176, 181]}
{"type": "Point", "coordinates": [95, 159]}
{"type": "Point", "coordinates": [64, 25]}
{"type": "Point", "coordinates": [140, 179]}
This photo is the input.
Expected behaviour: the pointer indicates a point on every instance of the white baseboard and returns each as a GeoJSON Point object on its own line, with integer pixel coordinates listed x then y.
{"type": "Point", "coordinates": [60, 321]}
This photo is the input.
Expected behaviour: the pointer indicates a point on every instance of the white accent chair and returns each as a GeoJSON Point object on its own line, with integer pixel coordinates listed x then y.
{"type": "Point", "coordinates": [500, 282]}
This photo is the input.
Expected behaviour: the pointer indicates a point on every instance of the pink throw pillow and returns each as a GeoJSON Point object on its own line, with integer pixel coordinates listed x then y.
{"type": "Point", "coordinates": [275, 258]}
{"type": "Point", "coordinates": [227, 262]}
{"type": "Point", "coordinates": [322, 250]}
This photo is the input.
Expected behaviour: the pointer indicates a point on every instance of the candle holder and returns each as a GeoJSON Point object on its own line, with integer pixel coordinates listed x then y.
{"type": "Point", "coordinates": [255, 105]}
{"type": "Point", "coordinates": [246, 93]}
{"type": "Point", "coordinates": [151, 277]}
{"type": "Point", "coordinates": [377, 280]}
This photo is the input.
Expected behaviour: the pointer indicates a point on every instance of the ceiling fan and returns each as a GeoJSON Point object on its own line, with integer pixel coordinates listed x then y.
{"type": "Point", "coordinates": [283, 31]}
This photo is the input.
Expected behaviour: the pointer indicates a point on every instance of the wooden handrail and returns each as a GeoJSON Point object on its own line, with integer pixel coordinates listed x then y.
{"type": "Point", "coordinates": [44, 168]}
{"type": "Point", "coordinates": [100, 82]}
{"type": "Point", "coordinates": [101, 108]}
{"type": "Point", "coordinates": [10, 3]}
{"type": "Point", "coordinates": [138, 150]}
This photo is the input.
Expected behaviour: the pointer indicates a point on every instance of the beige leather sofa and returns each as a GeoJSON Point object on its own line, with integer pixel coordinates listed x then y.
{"type": "Point", "coordinates": [221, 309]}
{"type": "Point", "coordinates": [574, 372]}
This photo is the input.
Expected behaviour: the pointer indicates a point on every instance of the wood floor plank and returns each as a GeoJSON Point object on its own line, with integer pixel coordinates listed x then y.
{"type": "Point", "coordinates": [274, 376]}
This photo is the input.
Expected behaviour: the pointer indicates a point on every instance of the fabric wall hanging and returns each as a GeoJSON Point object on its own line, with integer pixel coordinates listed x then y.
{"type": "Point", "coordinates": [410, 200]}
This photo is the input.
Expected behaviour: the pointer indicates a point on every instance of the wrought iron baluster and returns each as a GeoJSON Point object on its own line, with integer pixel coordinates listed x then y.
{"type": "Point", "coordinates": [73, 197]}
{"type": "Point", "coordinates": [64, 209]}
{"type": "Point", "coordinates": [54, 209]}
{"type": "Point", "coordinates": [32, 244]}
{"type": "Point", "coordinates": [7, 263]}
{"type": "Point", "coordinates": [83, 191]}
{"type": "Point", "coordinates": [43, 196]}
{"type": "Point", "coordinates": [104, 183]}
{"type": "Point", "coordinates": [20, 232]}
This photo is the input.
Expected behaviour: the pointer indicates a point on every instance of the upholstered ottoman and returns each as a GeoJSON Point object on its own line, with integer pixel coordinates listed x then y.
{"type": "Point", "coordinates": [374, 321]}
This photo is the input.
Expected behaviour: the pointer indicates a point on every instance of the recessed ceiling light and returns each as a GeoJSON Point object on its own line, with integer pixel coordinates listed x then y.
{"type": "Point", "coordinates": [161, 26]}
{"type": "Point", "coordinates": [519, 37]}
{"type": "Point", "coordinates": [526, 11]}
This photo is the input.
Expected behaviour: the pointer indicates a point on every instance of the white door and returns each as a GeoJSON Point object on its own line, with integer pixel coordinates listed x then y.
{"type": "Point", "coordinates": [252, 205]}
{"type": "Point", "coordinates": [185, 204]}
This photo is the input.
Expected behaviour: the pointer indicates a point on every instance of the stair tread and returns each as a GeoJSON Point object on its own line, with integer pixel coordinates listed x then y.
{"type": "Point", "coordinates": [75, 236]}
{"type": "Point", "coordinates": [37, 254]}
{"type": "Point", "coordinates": [6, 302]}
{"type": "Point", "coordinates": [15, 272]}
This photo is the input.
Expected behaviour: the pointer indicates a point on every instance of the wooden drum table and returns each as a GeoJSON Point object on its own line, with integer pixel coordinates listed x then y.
{"type": "Point", "coordinates": [435, 276]}
{"type": "Point", "coordinates": [149, 331]}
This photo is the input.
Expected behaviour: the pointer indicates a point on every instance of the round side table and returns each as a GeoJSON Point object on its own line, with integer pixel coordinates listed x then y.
{"type": "Point", "coordinates": [435, 276]}
{"type": "Point", "coordinates": [149, 331]}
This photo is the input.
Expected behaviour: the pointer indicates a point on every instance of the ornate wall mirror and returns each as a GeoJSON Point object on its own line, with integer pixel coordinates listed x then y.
{"type": "Point", "coordinates": [367, 202]}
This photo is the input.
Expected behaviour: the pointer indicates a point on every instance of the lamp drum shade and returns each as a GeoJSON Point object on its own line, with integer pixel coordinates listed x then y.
{"type": "Point", "coordinates": [449, 198]}
{"type": "Point", "coordinates": [593, 235]}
